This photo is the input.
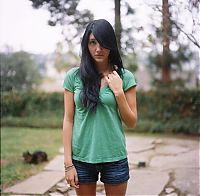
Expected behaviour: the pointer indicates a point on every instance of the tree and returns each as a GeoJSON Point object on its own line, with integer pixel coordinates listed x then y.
{"type": "Point", "coordinates": [63, 60]}
{"type": "Point", "coordinates": [18, 71]}
{"type": "Point", "coordinates": [176, 51]}
{"type": "Point", "coordinates": [65, 13]}
{"type": "Point", "coordinates": [118, 27]}
{"type": "Point", "coordinates": [166, 31]}
{"type": "Point", "coordinates": [123, 34]}
{"type": "Point", "coordinates": [59, 62]}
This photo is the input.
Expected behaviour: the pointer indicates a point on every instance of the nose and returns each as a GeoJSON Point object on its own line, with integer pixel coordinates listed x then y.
{"type": "Point", "coordinates": [98, 47]}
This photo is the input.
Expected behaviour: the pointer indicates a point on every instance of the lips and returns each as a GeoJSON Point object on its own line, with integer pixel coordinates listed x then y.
{"type": "Point", "coordinates": [98, 55]}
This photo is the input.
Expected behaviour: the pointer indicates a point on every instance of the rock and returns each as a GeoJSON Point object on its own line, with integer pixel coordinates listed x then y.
{"type": "Point", "coordinates": [146, 182]}
{"type": "Point", "coordinates": [62, 184]}
{"type": "Point", "coordinates": [187, 180]}
{"type": "Point", "coordinates": [157, 141]}
{"type": "Point", "coordinates": [100, 186]}
{"type": "Point", "coordinates": [169, 190]}
{"type": "Point", "coordinates": [72, 192]}
{"type": "Point", "coordinates": [55, 194]}
{"type": "Point", "coordinates": [141, 164]}
{"type": "Point", "coordinates": [172, 194]}
{"type": "Point", "coordinates": [63, 189]}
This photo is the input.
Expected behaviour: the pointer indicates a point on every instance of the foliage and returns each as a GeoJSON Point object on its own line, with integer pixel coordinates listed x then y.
{"type": "Point", "coordinates": [15, 141]}
{"type": "Point", "coordinates": [158, 111]}
{"type": "Point", "coordinates": [17, 103]}
{"type": "Point", "coordinates": [65, 13]}
{"type": "Point", "coordinates": [63, 59]}
{"type": "Point", "coordinates": [178, 55]}
{"type": "Point", "coordinates": [169, 111]}
{"type": "Point", "coordinates": [130, 62]}
{"type": "Point", "coordinates": [18, 71]}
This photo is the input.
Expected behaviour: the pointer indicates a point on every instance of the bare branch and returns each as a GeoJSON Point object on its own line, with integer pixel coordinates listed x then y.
{"type": "Point", "coordinates": [189, 36]}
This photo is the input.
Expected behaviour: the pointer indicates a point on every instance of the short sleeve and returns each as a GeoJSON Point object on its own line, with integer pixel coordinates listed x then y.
{"type": "Point", "coordinates": [128, 80]}
{"type": "Point", "coordinates": [70, 79]}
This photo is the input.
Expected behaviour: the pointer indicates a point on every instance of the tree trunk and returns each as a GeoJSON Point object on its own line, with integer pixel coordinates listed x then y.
{"type": "Point", "coordinates": [166, 64]}
{"type": "Point", "coordinates": [118, 28]}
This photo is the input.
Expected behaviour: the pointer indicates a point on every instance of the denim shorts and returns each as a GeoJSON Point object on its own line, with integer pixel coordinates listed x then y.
{"type": "Point", "coordinates": [110, 172]}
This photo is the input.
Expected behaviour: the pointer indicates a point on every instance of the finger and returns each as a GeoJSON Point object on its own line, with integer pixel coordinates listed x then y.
{"type": "Point", "coordinates": [107, 79]}
{"type": "Point", "coordinates": [110, 76]}
{"type": "Point", "coordinates": [67, 179]}
{"type": "Point", "coordinates": [115, 73]}
{"type": "Point", "coordinates": [73, 184]}
{"type": "Point", "coordinates": [76, 179]}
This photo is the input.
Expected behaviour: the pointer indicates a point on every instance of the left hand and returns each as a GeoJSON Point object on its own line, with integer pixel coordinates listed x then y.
{"type": "Point", "coordinates": [114, 82]}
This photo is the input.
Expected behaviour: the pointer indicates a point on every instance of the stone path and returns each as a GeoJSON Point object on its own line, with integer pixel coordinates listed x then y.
{"type": "Point", "coordinates": [158, 166]}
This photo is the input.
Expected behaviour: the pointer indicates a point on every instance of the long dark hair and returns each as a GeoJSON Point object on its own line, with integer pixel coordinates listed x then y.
{"type": "Point", "coordinates": [91, 79]}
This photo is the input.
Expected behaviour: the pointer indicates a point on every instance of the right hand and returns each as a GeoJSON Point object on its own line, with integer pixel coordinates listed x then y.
{"type": "Point", "coordinates": [72, 177]}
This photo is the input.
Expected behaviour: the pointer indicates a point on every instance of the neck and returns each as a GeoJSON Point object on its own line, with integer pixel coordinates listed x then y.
{"type": "Point", "coordinates": [103, 68]}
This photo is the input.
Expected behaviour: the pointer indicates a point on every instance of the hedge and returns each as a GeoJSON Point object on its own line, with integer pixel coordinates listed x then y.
{"type": "Point", "coordinates": [158, 111]}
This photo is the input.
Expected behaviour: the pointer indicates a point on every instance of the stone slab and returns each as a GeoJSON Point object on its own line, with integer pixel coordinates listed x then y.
{"type": "Point", "coordinates": [37, 184]}
{"type": "Point", "coordinates": [72, 192]}
{"type": "Point", "coordinates": [55, 194]}
{"type": "Point", "coordinates": [57, 164]}
{"type": "Point", "coordinates": [134, 158]}
{"type": "Point", "coordinates": [187, 180]}
{"type": "Point", "coordinates": [139, 144]}
{"type": "Point", "coordinates": [183, 160]}
{"type": "Point", "coordinates": [146, 182]}
{"type": "Point", "coordinates": [171, 150]}
{"type": "Point", "coordinates": [61, 150]}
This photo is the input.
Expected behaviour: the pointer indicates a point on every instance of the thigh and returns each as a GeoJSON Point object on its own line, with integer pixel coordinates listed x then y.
{"type": "Point", "coordinates": [86, 189]}
{"type": "Point", "coordinates": [116, 189]}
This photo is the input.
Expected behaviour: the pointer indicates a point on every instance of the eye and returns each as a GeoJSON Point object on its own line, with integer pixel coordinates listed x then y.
{"type": "Point", "coordinates": [92, 42]}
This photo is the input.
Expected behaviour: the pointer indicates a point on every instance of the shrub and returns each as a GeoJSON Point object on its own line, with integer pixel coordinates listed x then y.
{"type": "Point", "coordinates": [158, 111]}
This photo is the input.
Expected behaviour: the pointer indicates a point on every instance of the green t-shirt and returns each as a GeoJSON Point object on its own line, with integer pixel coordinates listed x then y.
{"type": "Point", "coordinates": [97, 136]}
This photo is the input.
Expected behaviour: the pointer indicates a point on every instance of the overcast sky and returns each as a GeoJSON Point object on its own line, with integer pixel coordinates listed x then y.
{"type": "Point", "coordinates": [23, 27]}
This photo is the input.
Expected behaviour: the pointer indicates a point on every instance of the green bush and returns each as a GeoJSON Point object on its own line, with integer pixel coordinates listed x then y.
{"type": "Point", "coordinates": [168, 105]}
{"type": "Point", "coordinates": [158, 111]}
{"type": "Point", "coordinates": [30, 103]}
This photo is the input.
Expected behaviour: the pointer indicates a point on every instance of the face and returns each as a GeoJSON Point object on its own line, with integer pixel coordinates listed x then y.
{"type": "Point", "coordinates": [98, 53]}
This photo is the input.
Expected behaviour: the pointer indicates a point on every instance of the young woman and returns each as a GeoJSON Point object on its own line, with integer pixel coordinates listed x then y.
{"type": "Point", "coordinates": [98, 96]}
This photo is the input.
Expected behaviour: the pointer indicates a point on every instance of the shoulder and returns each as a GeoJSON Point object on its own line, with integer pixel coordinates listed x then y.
{"type": "Point", "coordinates": [73, 71]}
{"type": "Point", "coordinates": [126, 74]}
{"type": "Point", "coordinates": [128, 79]}
{"type": "Point", "coordinates": [71, 77]}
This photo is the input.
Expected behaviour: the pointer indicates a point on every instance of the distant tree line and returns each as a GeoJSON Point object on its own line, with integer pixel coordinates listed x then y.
{"type": "Point", "coordinates": [19, 71]}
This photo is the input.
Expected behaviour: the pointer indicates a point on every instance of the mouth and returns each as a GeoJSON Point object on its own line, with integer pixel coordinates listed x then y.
{"type": "Point", "coordinates": [98, 55]}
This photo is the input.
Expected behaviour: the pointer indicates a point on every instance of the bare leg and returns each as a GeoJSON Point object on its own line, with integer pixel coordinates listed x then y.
{"type": "Point", "coordinates": [86, 189]}
{"type": "Point", "coordinates": [116, 189]}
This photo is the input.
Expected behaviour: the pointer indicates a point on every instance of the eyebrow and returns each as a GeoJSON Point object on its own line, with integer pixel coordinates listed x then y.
{"type": "Point", "coordinates": [92, 39]}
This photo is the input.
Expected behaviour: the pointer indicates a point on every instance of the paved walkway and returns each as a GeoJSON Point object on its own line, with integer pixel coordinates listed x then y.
{"type": "Point", "coordinates": [158, 166]}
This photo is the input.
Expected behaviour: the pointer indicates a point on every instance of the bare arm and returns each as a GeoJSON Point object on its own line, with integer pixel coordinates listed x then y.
{"type": "Point", "coordinates": [67, 126]}
{"type": "Point", "coordinates": [126, 101]}
{"type": "Point", "coordinates": [71, 176]}
{"type": "Point", "coordinates": [127, 106]}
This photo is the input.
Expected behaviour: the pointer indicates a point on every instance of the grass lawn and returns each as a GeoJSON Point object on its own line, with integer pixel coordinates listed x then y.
{"type": "Point", "coordinates": [15, 141]}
